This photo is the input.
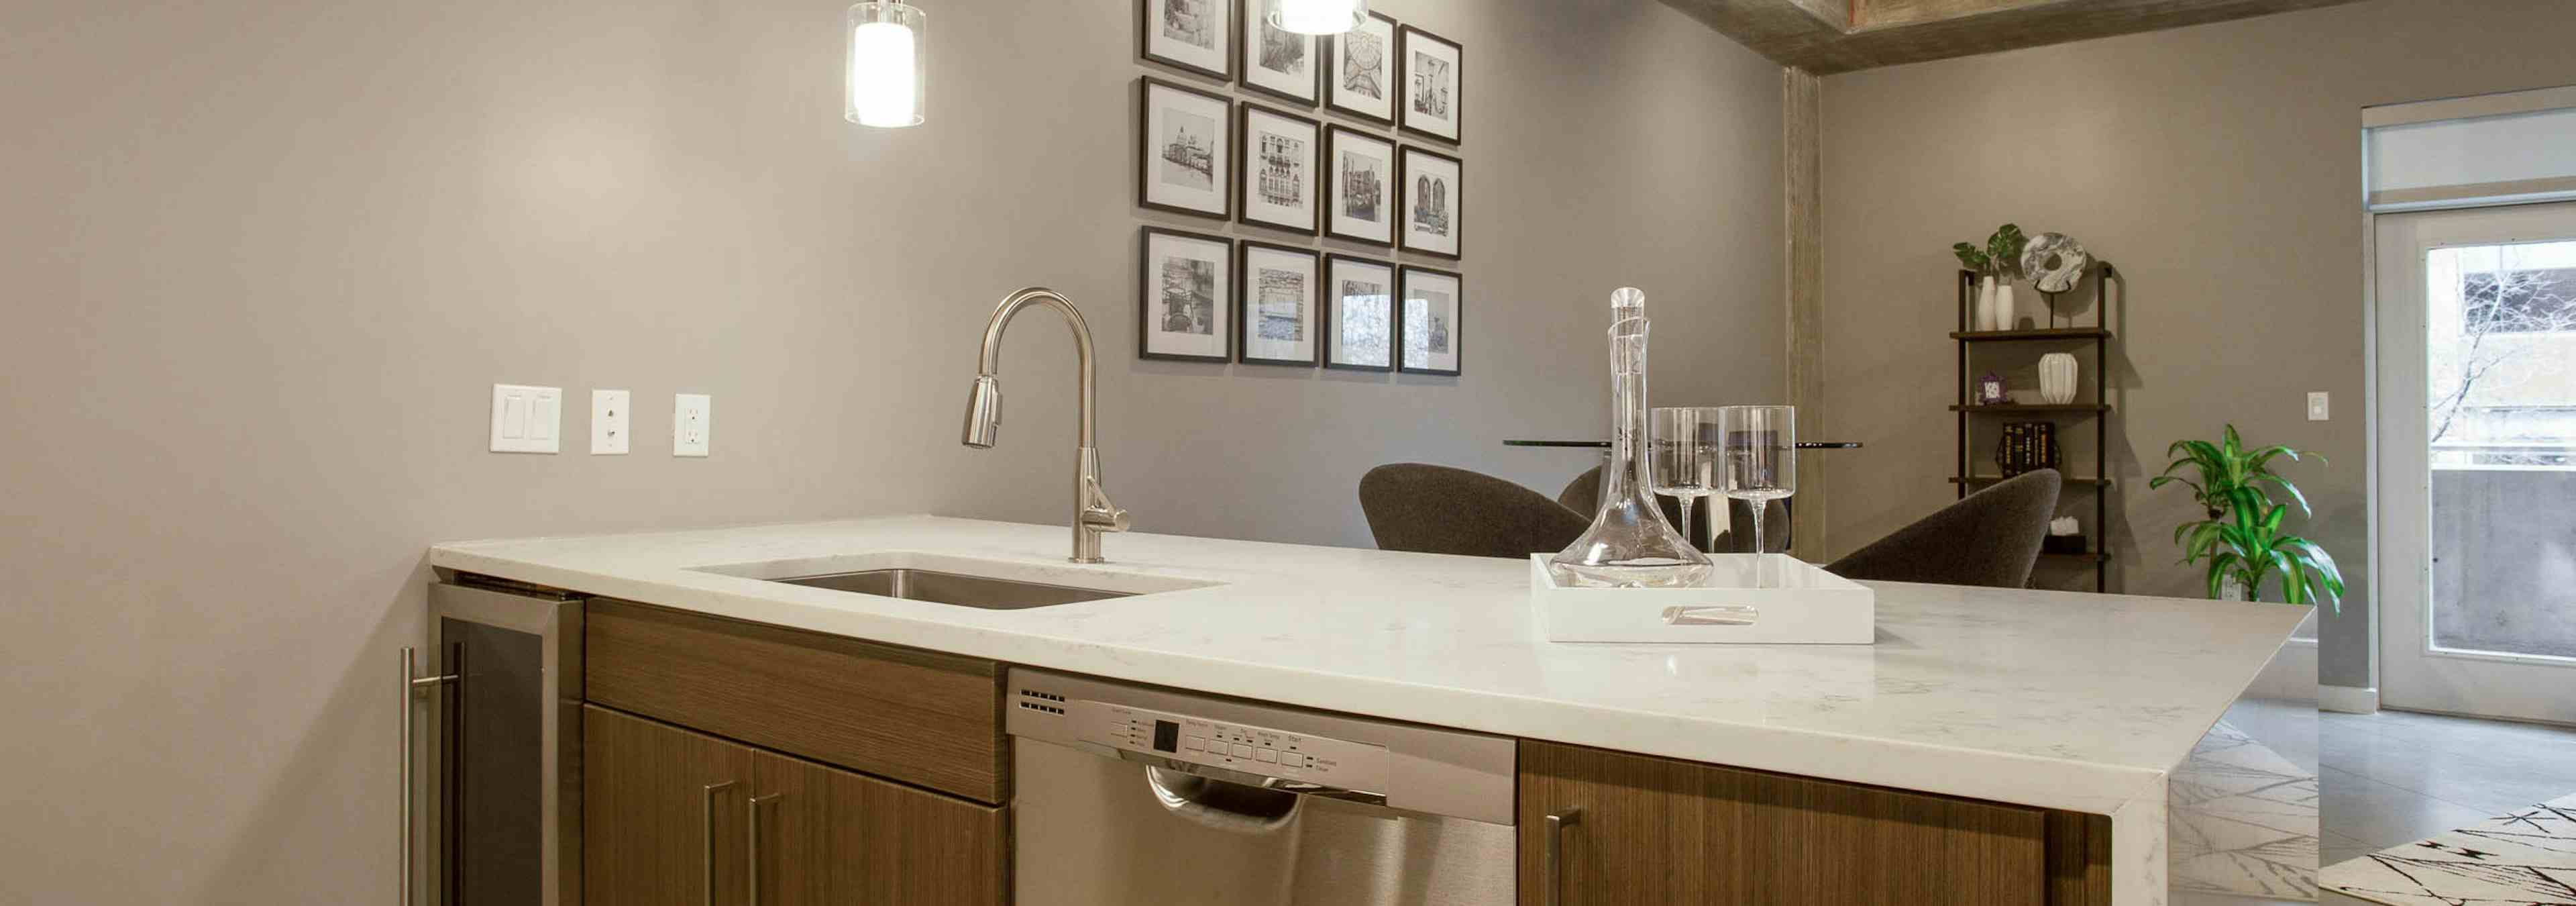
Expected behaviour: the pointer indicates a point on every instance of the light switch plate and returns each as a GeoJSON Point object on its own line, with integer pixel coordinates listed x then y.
{"type": "Point", "coordinates": [2317, 405]}
{"type": "Point", "coordinates": [609, 416]}
{"type": "Point", "coordinates": [527, 419]}
{"type": "Point", "coordinates": [692, 423]}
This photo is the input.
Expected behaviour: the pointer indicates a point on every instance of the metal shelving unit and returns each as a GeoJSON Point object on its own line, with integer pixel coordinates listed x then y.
{"type": "Point", "coordinates": [2104, 278]}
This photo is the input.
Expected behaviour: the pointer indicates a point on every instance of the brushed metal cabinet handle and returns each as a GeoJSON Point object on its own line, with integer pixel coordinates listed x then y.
{"type": "Point", "coordinates": [751, 814]}
{"type": "Point", "coordinates": [1556, 825]}
{"type": "Point", "coordinates": [707, 837]}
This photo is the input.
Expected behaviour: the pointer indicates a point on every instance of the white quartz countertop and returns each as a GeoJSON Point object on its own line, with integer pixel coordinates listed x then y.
{"type": "Point", "coordinates": [2050, 699]}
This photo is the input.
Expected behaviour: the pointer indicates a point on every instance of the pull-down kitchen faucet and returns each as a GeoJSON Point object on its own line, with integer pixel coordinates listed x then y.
{"type": "Point", "coordinates": [1093, 514]}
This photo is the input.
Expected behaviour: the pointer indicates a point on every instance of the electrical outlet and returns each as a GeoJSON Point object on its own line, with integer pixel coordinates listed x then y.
{"type": "Point", "coordinates": [609, 417]}
{"type": "Point", "coordinates": [526, 419]}
{"type": "Point", "coordinates": [692, 423]}
{"type": "Point", "coordinates": [2317, 405]}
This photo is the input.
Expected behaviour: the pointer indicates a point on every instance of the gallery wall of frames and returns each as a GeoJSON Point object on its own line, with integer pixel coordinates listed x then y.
{"type": "Point", "coordinates": [1337, 160]}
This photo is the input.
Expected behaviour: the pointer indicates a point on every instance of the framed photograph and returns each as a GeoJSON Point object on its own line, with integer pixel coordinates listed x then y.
{"type": "Point", "coordinates": [1181, 304]}
{"type": "Point", "coordinates": [1181, 150]}
{"type": "Point", "coordinates": [1278, 62]}
{"type": "Point", "coordinates": [1278, 296]}
{"type": "Point", "coordinates": [1193, 35]}
{"type": "Point", "coordinates": [1431, 305]}
{"type": "Point", "coordinates": [1359, 314]}
{"type": "Point", "coordinates": [1276, 158]}
{"type": "Point", "coordinates": [1431, 80]}
{"type": "Point", "coordinates": [1431, 184]}
{"type": "Point", "coordinates": [1359, 197]}
{"type": "Point", "coordinates": [1360, 80]}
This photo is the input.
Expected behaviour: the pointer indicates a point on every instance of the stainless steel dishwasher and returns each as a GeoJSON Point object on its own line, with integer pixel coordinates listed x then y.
{"type": "Point", "coordinates": [1129, 794]}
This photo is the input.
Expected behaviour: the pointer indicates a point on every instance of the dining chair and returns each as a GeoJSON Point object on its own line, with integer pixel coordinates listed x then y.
{"type": "Point", "coordinates": [1990, 538]}
{"type": "Point", "coordinates": [1440, 510]}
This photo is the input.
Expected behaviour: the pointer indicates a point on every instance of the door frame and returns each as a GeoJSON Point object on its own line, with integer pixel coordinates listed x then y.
{"type": "Point", "coordinates": [2408, 672]}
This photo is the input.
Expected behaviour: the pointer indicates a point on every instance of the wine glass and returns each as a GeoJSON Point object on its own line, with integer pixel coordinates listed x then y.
{"type": "Point", "coordinates": [1761, 457]}
{"type": "Point", "coordinates": [1684, 456]}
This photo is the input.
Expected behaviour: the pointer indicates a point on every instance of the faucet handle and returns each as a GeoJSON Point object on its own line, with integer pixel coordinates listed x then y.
{"type": "Point", "coordinates": [1108, 519]}
{"type": "Point", "coordinates": [1098, 514]}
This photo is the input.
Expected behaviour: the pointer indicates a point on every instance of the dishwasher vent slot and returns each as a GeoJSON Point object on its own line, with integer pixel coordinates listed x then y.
{"type": "Point", "coordinates": [1041, 697]}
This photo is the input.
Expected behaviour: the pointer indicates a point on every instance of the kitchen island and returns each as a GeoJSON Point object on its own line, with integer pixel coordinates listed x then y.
{"type": "Point", "coordinates": [2055, 700]}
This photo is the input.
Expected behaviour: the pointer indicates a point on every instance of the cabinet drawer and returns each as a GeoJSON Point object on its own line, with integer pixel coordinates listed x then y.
{"type": "Point", "coordinates": [920, 717]}
{"type": "Point", "coordinates": [1654, 831]}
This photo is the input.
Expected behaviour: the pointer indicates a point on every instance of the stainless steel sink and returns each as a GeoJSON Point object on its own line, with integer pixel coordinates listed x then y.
{"type": "Point", "coordinates": [954, 588]}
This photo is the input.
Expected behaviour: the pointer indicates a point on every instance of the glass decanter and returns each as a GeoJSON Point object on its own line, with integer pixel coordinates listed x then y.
{"type": "Point", "coordinates": [1629, 544]}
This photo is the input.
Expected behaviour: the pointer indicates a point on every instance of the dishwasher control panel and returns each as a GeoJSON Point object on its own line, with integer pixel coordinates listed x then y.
{"type": "Point", "coordinates": [1305, 757]}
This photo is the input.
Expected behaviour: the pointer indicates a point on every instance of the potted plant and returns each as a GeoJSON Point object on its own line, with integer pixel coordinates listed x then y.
{"type": "Point", "coordinates": [1997, 263]}
{"type": "Point", "coordinates": [2242, 537]}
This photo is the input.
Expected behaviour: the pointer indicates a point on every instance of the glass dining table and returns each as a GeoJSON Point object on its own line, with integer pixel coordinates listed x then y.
{"type": "Point", "coordinates": [1737, 513]}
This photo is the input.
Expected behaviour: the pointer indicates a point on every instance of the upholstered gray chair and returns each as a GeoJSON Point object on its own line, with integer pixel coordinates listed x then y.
{"type": "Point", "coordinates": [1989, 538]}
{"type": "Point", "coordinates": [1440, 510]}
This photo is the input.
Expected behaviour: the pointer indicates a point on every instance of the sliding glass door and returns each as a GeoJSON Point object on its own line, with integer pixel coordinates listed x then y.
{"type": "Point", "coordinates": [2476, 384]}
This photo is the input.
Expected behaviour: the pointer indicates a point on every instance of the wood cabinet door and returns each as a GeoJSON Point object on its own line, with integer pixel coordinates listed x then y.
{"type": "Point", "coordinates": [828, 837]}
{"type": "Point", "coordinates": [663, 814]}
{"type": "Point", "coordinates": [1660, 832]}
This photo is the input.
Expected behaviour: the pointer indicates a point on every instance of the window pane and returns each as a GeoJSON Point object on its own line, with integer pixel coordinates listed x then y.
{"type": "Point", "coordinates": [2501, 357]}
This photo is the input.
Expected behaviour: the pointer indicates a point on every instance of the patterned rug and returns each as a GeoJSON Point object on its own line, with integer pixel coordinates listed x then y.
{"type": "Point", "coordinates": [2527, 858]}
{"type": "Point", "coordinates": [2243, 820]}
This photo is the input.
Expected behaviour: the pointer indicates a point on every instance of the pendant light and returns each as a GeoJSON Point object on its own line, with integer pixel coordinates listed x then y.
{"type": "Point", "coordinates": [1319, 17]}
{"type": "Point", "coordinates": [885, 65]}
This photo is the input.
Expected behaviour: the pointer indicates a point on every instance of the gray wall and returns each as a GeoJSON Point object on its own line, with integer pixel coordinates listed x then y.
{"type": "Point", "coordinates": [264, 259]}
{"type": "Point", "coordinates": [2220, 167]}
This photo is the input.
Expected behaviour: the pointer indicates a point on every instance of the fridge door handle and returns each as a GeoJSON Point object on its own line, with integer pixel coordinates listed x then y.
{"type": "Point", "coordinates": [413, 686]}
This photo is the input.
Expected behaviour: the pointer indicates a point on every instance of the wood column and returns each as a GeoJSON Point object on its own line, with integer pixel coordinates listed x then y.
{"type": "Point", "coordinates": [1801, 141]}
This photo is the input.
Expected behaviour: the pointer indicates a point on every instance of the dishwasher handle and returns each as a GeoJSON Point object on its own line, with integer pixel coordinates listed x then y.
{"type": "Point", "coordinates": [1257, 781]}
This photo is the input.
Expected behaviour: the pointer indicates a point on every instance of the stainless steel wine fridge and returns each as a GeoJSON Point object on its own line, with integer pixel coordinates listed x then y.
{"type": "Point", "coordinates": [491, 750]}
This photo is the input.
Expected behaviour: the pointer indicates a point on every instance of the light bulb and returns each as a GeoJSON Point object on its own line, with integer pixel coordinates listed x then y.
{"type": "Point", "coordinates": [885, 83]}
{"type": "Point", "coordinates": [1319, 17]}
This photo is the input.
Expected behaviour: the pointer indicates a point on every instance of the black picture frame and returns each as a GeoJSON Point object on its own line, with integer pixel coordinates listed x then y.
{"type": "Point", "coordinates": [1145, 87]}
{"type": "Point", "coordinates": [1329, 325]}
{"type": "Point", "coordinates": [1404, 36]}
{"type": "Point", "coordinates": [1245, 29]}
{"type": "Point", "coordinates": [1145, 42]}
{"type": "Point", "coordinates": [1332, 59]}
{"type": "Point", "coordinates": [1334, 135]}
{"type": "Point", "coordinates": [1243, 250]}
{"type": "Point", "coordinates": [1457, 327]}
{"type": "Point", "coordinates": [1243, 154]}
{"type": "Point", "coordinates": [1404, 204]}
{"type": "Point", "coordinates": [1145, 281]}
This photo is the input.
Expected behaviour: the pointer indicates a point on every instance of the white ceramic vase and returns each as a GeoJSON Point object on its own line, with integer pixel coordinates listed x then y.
{"type": "Point", "coordinates": [2003, 307]}
{"type": "Point", "coordinates": [1984, 317]}
{"type": "Point", "coordinates": [2057, 378]}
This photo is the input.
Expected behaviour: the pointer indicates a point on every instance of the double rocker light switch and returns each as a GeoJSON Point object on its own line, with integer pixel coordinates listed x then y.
{"type": "Point", "coordinates": [526, 419]}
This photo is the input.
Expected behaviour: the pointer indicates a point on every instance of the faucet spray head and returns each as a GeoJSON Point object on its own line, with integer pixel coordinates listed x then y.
{"type": "Point", "coordinates": [983, 412]}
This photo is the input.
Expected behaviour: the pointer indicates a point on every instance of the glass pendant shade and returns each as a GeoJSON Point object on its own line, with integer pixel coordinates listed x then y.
{"type": "Point", "coordinates": [1319, 17]}
{"type": "Point", "coordinates": [885, 65]}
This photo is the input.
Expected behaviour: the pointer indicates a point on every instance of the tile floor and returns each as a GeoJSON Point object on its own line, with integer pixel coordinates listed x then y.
{"type": "Point", "coordinates": [2396, 777]}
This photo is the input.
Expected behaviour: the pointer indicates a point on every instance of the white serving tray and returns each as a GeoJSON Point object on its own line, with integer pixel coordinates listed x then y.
{"type": "Point", "coordinates": [1790, 601]}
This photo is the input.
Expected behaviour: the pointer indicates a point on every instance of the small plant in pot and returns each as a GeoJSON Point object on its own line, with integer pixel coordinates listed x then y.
{"type": "Point", "coordinates": [2242, 538]}
{"type": "Point", "coordinates": [1996, 264]}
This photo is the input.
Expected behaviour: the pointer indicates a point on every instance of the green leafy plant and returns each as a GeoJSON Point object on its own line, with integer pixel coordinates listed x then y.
{"type": "Point", "coordinates": [2001, 255]}
{"type": "Point", "coordinates": [2242, 539]}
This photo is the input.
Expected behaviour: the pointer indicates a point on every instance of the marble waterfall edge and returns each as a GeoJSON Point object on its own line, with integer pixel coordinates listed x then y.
{"type": "Point", "coordinates": [1748, 599]}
